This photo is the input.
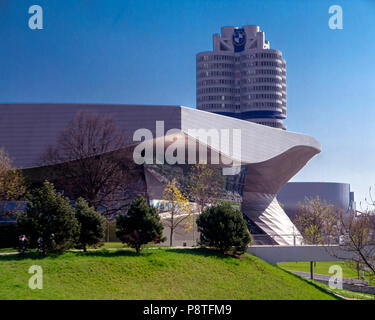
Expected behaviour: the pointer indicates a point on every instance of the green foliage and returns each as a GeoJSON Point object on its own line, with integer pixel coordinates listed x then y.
{"type": "Point", "coordinates": [224, 228]}
{"type": "Point", "coordinates": [317, 221]}
{"type": "Point", "coordinates": [180, 209]}
{"type": "Point", "coordinates": [12, 184]}
{"type": "Point", "coordinates": [49, 215]}
{"type": "Point", "coordinates": [92, 224]}
{"type": "Point", "coordinates": [140, 225]}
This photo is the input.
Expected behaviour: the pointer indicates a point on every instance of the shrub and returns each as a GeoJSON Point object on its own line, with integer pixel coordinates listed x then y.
{"type": "Point", "coordinates": [224, 228]}
{"type": "Point", "coordinates": [49, 215]}
{"type": "Point", "coordinates": [140, 225]}
{"type": "Point", "coordinates": [92, 224]}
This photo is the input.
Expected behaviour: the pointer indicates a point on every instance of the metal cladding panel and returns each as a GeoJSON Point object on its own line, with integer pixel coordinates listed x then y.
{"type": "Point", "coordinates": [258, 143]}
{"type": "Point", "coordinates": [293, 194]}
{"type": "Point", "coordinates": [26, 129]}
{"type": "Point", "coordinates": [264, 210]}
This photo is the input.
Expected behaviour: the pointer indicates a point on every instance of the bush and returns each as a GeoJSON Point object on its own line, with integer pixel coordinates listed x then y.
{"type": "Point", "coordinates": [92, 224]}
{"type": "Point", "coordinates": [49, 215]}
{"type": "Point", "coordinates": [140, 225]}
{"type": "Point", "coordinates": [224, 228]}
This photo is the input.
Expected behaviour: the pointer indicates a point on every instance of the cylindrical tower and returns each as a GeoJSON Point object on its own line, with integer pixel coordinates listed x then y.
{"type": "Point", "coordinates": [216, 82]}
{"type": "Point", "coordinates": [243, 78]}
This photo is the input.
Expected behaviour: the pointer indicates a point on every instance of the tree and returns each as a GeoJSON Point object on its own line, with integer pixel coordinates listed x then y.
{"type": "Point", "coordinates": [357, 230]}
{"type": "Point", "coordinates": [320, 223]}
{"type": "Point", "coordinates": [317, 221]}
{"type": "Point", "coordinates": [204, 185]}
{"type": "Point", "coordinates": [92, 224]}
{"type": "Point", "coordinates": [358, 234]}
{"type": "Point", "coordinates": [89, 161]}
{"type": "Point", "coordinates": [140, 225]}
{"type": "Point", "coordinates": [12, 185]}
{"type": "Point", "coordinates": [224, 228]}
{"type": "Point", "coordinates": [180, 210]}
{"type": "Point", "coordinates": [49, 216]}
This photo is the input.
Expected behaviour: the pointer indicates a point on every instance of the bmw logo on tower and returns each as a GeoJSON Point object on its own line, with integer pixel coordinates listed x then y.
{"type": "Point", "coordinates": [239, 39]}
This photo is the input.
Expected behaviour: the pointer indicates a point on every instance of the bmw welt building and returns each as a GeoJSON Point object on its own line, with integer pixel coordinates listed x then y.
{"type": "Point", "coordinates": [271, 156]}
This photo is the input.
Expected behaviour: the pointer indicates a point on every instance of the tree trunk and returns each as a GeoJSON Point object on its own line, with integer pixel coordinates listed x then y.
{"type": "Point", "coordinates": [171, 238]}
{"type": "Point", "coordinates": [357, 270]}
{"type": "Point", "coordinates": [107, 230]}
{"type": "Point", "coordinates": [172, 229]}
{"type": "Point", "coordinates": [84, 248]}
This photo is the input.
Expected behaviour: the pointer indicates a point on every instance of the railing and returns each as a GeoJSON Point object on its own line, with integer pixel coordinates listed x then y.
{"type": "Point", "coordinates": [294, 239]}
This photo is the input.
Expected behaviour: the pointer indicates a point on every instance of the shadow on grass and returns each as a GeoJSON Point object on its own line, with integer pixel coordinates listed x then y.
{"type": "Point", "coordinates": [98, 253]}
{"type": "Point", "coordinates": [154, 251]}
{"type": "Point", "coordinates": [121, 252]}
{"type": "Point", "coordinates": [27, 256]}
{"type": "Point", "coordinates": [204, 252]}
{"type": "Point", "coordinates": [104, 253]}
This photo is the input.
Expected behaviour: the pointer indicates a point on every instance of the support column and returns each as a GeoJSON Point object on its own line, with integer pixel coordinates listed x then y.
{"type": "Point", "coordinates": [264, 210]}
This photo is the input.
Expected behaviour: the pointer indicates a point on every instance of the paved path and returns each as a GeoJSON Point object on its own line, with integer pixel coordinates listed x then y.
{"type": "Point", "coordinates": [7, 253]}
{"type": "Point", "coordinates": [324, 278]}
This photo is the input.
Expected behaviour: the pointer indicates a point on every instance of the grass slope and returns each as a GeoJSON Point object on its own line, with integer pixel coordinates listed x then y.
{"type": "Point", "coordinates": [155, 274]}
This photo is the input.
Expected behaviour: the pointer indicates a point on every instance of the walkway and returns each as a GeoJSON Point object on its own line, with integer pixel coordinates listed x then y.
{"type": "Point", "coordinates": [325, 279]}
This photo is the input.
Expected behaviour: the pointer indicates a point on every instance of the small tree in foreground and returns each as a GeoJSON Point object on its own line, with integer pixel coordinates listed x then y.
{"type": "Point", "coordinates": [12, 186]}
{"type": "Point", "coordinates": [224, 228]}
{"type": "Point", "coordinates": [140, 225]}
{"type": "Point", "coordinates": [358, 235]}
{"type": "Point", "coordinates": [92, 224]}
{"type": "Point", "coordinates": [180, 210]}
{"type": "Point", "coordinates": [204, 185]}
{"type": "Point", "coordinates": [317, 221]}
{"type": "Point", "coordinates": [50, 218]}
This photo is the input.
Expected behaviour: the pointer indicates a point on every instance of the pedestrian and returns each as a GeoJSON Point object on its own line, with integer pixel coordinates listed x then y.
{"type": "Point", "coordinates": [41, 246]}
{"type": "Point", "coordinates": [22, 243]}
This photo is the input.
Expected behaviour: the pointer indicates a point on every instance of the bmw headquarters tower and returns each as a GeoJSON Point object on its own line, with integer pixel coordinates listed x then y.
{"type": "Point", "coordinates": [243, 78]}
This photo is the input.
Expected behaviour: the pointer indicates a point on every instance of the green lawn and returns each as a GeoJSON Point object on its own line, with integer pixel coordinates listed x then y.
{"type": "Point", "coordinates": [155, 274]}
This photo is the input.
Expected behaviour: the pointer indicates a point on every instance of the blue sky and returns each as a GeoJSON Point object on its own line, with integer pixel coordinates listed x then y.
{"type": "Point", "coordinates": [143, 52]}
